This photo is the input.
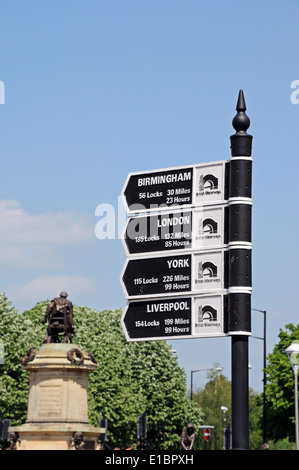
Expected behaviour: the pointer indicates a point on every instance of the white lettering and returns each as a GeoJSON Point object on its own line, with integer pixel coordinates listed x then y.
{"type": "Point", "coordinates": [167, 307]}
{"type": "Point", "coordinates": [152, 280]}
{"type": "Point", "coordinates": [117, 460]}
{"type": "Point", "coordinates": [172, 221]}
{"type": "Point", "coordinates": [105, 228]}
{"type": "Point", "coordinates": [167, 178]}
{"type": "Point", "coordinates": [178, 263]}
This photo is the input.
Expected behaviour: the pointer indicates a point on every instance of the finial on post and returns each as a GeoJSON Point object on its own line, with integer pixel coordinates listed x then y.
{"type": "Point", "coordinates": [241, 142]}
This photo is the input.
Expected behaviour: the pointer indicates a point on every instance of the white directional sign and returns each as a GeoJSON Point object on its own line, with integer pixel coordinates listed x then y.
{"type": "Point", "coordinates": [175, 276]}
{"type": "Point", "coordinates": [197, 229]}
{"type": "Point", "coordinates": [180, 274]}
{"type": "Point", "coordinates": [174, 187]}
{"type": "Point", "coordinates": [174, 318]}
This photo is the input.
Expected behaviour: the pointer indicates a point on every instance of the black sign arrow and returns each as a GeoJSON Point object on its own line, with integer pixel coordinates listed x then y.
{"type": "Point", "coordinates": [167, 187]}
{"type": "Point", "coordinates": [159, 232]}
{"type": "Point", "coordinates": [164, 275]}
{"type": "Point", "coordinates": [158, 319]}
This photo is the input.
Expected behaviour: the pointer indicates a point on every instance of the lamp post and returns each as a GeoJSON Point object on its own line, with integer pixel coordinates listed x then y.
{"type": "Point", "coordinates": [227, 430]}
{"type": "Point", "coordinates": [219, 369]}
{"type": "Point", "coordinates": [264, 373]}
{"type": "Point", "coordinates": [293, 353]}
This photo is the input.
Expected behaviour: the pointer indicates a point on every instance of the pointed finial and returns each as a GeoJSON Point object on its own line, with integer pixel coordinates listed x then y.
{"type": "Point", "coordinates": [241, 141]}
{"type": "Point", "coordinates": [241, 121]}
{"type": "Point", "coordinates": [241, 106]}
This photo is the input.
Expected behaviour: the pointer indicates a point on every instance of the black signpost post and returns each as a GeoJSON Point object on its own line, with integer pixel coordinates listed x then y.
{"type": "Point", "coordinates": [188, 272]}
{"type": "Point", "coordinates": [239, 292]}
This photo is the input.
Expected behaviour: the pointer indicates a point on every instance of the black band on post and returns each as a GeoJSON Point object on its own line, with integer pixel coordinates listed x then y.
{"type": "Point", "coordinates": [241, 145]}
{"type": "Point", "coordinates": [240, 177]}
{"type": "Point", "coordinates": [239, 225]}
{"type": "Point", "coordinates": [239, 268]}
{"type": "Point", "coordinates": [239, 312]}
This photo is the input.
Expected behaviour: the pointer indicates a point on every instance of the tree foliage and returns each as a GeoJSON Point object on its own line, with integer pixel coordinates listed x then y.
{"type": "Point", "coordinates": [217, 394]}
{"type": "Point", "coordinates": [17, 334]}
{"type": "Point", "coordinates": [280, 388]}
{"type": "Point", "coordinates": [131, 378]}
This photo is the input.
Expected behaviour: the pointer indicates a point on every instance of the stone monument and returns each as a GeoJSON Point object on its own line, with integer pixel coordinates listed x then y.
{"type": "Point", "coordinates": [57, 417]}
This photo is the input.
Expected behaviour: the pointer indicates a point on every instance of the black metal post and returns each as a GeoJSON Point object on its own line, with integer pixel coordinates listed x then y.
{"type": "Point", "coordinates": [239, 272]}
{"type": "Point", "coordinates": [264, 373]}
{"type": "Point", "coordinates": [227, 435]}
{"type": "Point", "coordinates": [191, 384]}
{"type": "Point", "coordinates": [265, 383]}
{"type": "Point", "coordinates": [103, 423]}
{"type": "Point", "coordinates": [240, 395]}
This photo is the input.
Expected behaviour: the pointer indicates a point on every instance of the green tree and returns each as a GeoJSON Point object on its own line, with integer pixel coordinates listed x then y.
{"type": "Point", "coordinates": [18, 333]}
{"type": "Point", "coordinates": [255, 420]}
{"type": "Point", "coordinates": [280, 388]}
{"type": "Point", "coordinates": [217, 394]}
{"type": "Point", "coordinates": [131, 378]}
{"type": "Point", "coordinates": [210, 399]}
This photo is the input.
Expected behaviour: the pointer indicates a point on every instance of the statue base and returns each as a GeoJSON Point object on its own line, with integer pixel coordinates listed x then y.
{"type": "Point", "coordinates": [55, 437]}
{"type": "Point", "coordinates": [58, 402]}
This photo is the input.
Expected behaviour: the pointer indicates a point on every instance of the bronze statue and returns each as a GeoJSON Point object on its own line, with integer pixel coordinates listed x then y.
{"type": "Point", "coordinates": [187, 438]}
{"type": "Point", "coordinates": [59, 315]}
{"type": "Point", "coordinates": [78, 441]}
{"type": "Point", "coordinates": [29, 356]}
{"type": "Point", "coordinates": [15, 441]}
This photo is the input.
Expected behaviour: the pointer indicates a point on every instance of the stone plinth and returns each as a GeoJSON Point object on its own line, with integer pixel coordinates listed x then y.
{"type": "Point", "coordinates": [58, 400]}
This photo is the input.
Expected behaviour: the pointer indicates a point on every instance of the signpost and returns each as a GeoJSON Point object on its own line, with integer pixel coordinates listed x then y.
{"type": "Point", "coordinates": [185, 273]}
{"type": "Point", "coordinates": [159, 232]}
{"type": "Point", "coordinates": [174, 318]}
{"type": "Point", "coordinates": [189, 229]}
{"type": "Point", "coordinates": [188, 272]}
{"type": "Point", "coordinates": [239, 299]}
{"type": "Point", "coordinates": [174, 187]}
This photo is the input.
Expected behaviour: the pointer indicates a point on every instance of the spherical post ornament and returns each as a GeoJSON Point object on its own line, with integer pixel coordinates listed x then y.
{"type": "Point", "coordinates": [241, 142]}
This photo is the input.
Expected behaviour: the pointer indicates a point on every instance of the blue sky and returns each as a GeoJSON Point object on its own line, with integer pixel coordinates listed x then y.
{"type": "Point", "coordinates": [97, 89]}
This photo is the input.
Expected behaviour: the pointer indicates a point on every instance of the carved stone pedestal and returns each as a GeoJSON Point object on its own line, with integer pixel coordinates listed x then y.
{"type": "Point", "coordinates": [58, 402]}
